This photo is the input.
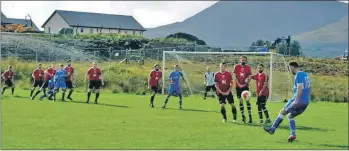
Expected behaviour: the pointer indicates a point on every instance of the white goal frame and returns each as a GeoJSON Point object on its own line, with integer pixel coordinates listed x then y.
{"type": "Point", "coordinates": [222, 53]}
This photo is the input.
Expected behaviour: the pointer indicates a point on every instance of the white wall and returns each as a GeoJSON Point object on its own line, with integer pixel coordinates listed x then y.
{"type": "Point", "coordinates": [86, 30]}
{"type": "Point", "coordinates": [55, 23]}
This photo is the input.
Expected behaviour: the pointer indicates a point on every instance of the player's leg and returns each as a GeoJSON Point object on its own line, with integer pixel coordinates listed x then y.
{"type": "Point", "coordinates": [70, 87]}
{"type": "Point", "coordinates": [34, 85]}
{"type": "Point", "coordinates": [292, 113]}
{"type": "Point", "coordinates": [180, 101]}
{"type": "Point", "coordinates": [241, 104]}
{"type": "Point", "coordinates": [97, 87]}
{"type": "Point", "coordinates": [248, 106]}
{"type": "Point", "coordinates": [4, 88]}
{"type": "Point", "coordinates": [259, 107]}
{"type": "Point", "coordinates": [154, 90]}
{"type": "Point", "coordinates": [43, 87]}
{"type": "Point", "coordinates": [10, 84]}
{"type": "Point", "coordinates": [55, 90]}
{"type": "Point", "coordinates": [64, 88]}
{"type": "Point", "coordinates": [207, 88]}
{"type": "Point", "coordinates": [170, 92]}
{"type": "Point", "coordinates": [91, 85]}
{"type": "Point", "coordinates": [280, 118]}
{"type": "Point", "coordinates": [222, 99]}
{"type": "Point", "coordinates": [230, 99]}
{"type": "Point", "coordinates": [264, 109]}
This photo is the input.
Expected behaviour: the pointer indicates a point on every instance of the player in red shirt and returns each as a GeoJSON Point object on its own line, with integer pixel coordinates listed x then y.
{"type": "Point", "coordinates": [48, 74]}
{"type": "Point", "coordinates": [70, 79]}
{"type": "Point", "coordinates": [261, 79]}
{"type": "Point", "coordinates": [153, 82]}
{"type": "Point", "coordinates": [95, 77]}
{"type": "Point", "coordinates": [8, 77]}
{"type": "Point", "coordinates": [241, 73]}
{"type": "Point", "coordinates": [37, 75]}
{"type": "Point", "coordinates": [223, 83]}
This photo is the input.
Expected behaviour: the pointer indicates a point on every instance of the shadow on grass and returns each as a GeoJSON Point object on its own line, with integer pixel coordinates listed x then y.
{"type": "Point", "coordinates": [191, 110]}
{"type": "Point", "coordinates": [22, 97]}
{"type": "Point", "coordinates": [306, 128]}
{"type": "Point", "coordinates": [336, 146]}
{"type": "Point", "coordinates": [102, 104]}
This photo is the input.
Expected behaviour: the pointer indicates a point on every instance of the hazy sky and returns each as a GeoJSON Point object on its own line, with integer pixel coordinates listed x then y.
{"type": "Point", "coordinates": [148, 13]}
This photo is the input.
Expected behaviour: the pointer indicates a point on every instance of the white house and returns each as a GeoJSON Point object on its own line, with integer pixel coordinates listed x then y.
{"type": "Point", "coordinates": [92, 23]}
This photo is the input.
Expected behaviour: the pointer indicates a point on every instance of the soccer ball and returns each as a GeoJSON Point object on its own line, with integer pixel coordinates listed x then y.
{"type": "Point", "coordinates": [246, 95]}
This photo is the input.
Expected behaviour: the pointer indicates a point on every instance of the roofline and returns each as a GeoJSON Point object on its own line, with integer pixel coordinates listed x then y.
{"type": "Point", "coordinates": [42, 26]}
{"type": "Point", "coordinates": [107, 28]}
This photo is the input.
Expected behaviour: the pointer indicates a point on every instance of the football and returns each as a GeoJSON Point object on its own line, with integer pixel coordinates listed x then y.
{"type": "Point", "coordinates": [246, 95]}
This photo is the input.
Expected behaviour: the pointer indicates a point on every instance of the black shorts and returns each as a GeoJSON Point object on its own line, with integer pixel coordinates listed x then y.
{"type": "Point", "coordinates": [96, 84]}
{"type": "Point", "coordinates": [225, 98]}
{"type": "Point", "coordinates": [154, 89]}
{"type": "Point", "coordinates": [240, 90]}
{"type": "Point", "coordinates": [210, 87]}
{"type": "Point", "coordinates": [69, 84]}
{"type": "Point", "coordinates": [261, 100]}
{"type": "Point", "coordinates": [8, 83]}
{"type": "Point", "coordinates": [45, 84]}
{"type": "Point", "coordinates": [38, 83]}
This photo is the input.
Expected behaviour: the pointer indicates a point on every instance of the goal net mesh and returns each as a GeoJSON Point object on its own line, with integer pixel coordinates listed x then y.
{"type": "Point", "coordinates": [193, 66]}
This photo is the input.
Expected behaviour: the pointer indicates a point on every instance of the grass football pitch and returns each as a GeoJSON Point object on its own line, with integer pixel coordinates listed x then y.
{"type": "Point", "coordinates": [122, 121]}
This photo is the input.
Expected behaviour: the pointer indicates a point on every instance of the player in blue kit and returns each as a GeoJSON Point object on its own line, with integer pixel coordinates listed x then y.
{"type": "Point", "coordinates": [50, 86]}
{"type": "Point", "coordinates": [175, 87]}
{"type": "Point", "coordinates": [60, 82]}
{"type": "Point", "coordinates": [297, 104]}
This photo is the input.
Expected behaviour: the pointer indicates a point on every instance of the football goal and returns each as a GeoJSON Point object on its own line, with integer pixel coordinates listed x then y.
{"type": "Point", "coordinates": [193, 66]}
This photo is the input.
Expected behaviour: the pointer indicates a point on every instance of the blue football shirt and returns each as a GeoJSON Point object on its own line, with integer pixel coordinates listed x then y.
{"type": "Point", "coordinates": [302, 78]}
{"type": "Point", "coordinates": [61, 75]}
{"type": "Point", "coordinates": [175, 77]}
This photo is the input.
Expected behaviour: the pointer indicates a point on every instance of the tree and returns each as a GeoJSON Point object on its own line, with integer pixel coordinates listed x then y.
{"type": "Point", "coordinates": [188, 37]}
{"type": "Point", "coordinates": [295, 48]}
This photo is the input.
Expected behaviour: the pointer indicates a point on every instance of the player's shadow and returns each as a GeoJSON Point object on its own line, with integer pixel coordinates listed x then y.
{"type": "Point", "coordinates": [192, 110]}
{"type": "Point", "coordinates": [321, 145]}
{"type": "Point", "coordinates": [22, 97]}
{"type": "Point", "coordinates": [336, 146]}
{"type": "Point", "coordinates": [102, 104]}
{"type": "Point", "coordinates": [306, 128]}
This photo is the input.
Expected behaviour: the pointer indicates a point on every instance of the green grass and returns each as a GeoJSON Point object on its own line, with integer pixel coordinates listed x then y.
{"type": "Point", "coordinates": [124, 121]}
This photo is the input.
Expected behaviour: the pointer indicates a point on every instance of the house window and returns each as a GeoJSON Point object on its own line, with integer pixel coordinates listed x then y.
{"type": "Point", "coordinates": [91, 30]}
{"type": "Point", "coordinates": [82, 30]}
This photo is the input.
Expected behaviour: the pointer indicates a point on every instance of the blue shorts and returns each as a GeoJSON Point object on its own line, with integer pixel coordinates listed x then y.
{"type": "Point", "coordinates": [51, 85]}
{"type": "Point", "coordinates": [173, 90]}
{"type": "Point", "coordinates": [60, 85]}
{"type": "Point", "coordinates": [294, 110]}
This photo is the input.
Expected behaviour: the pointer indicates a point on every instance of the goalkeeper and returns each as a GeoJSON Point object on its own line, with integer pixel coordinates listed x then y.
{"type": "Point", "coordinates": [209, 82]}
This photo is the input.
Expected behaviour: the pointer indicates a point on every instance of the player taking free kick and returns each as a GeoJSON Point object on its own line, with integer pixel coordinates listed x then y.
{"type": "Point", "coordinates": [223, 83]}
{"type": "Point", "coordinates": [94, 74]}
{"type": "Point", "coordinates": [261, 79]}
{"type": "Point", "coordinates": [297, 104]}
{"type": "Point", "coordinates": [153, 82]}
{"type": "Point", "coordinates": [241, 73]}
{"type": "Point", "coordinates": [175, 87]}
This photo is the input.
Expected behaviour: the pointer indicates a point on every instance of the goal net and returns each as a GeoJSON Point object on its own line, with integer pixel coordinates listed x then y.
{"type": "Point", "coordinates": [193, 66]}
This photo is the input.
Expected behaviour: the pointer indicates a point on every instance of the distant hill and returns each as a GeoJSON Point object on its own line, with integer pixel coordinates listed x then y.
{"type": "Point", "coordinates": [242, 22]}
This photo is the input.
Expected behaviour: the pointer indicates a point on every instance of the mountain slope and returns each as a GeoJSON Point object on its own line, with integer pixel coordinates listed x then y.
{"type": "Point", "coordinates": [241, 22]}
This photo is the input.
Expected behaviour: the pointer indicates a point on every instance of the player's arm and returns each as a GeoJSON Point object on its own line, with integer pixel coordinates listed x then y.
{"type": "Point", "coordinates": [13, 79]}
{"type": "Point", "coordinates": [86, 76]}
{"type": "Point", "coordinates": [169, 78]}
{"type": "Point", "coordinates": [235, 77]}
{"type": "Point", "coordinates": [185, 81]}
{"type": "Point", "coordinates": [149, 77]}
{"type": "Point", "coordinates": [299, 82]}
{"type": "Point", "coordinates": [160, 79]}
{"type": "Point", "coordinates": [3, 75]}
{"type": "Point", "coordinates": [33, 73]}
{"type": "Point", "coordinates": [265, 85]}
{"type": "Point", "coordinates": [216, 84]}
{"type": "Point", "coordinates": [205, 79]}
{"type": "Point", "coordinates": [249, 73]}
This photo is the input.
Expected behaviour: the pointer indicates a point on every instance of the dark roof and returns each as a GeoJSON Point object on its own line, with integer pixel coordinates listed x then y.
{"type": "Point", "coordinates": [20, 21]}
{"type": "Point", "coordinates": [3, 17]}
{"type": "Point", "coordinates": [97, 20]}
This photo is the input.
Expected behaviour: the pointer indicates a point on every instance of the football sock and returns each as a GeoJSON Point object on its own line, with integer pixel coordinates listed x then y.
{"type": "Point", "coordinates": [205, 94]}
{"type": "Point", "coordinates": [63, 94]}
{"type": "Point", "coordinates": [248, 104]}
{"type": "Point", "coordinates": [233, 110]}
{"type": "Point", "coordinates": [3, 90]}
{"type": "Point", "coordinates": [44, 90]}
{"type": "Point", "coordinates": [180, 100]}
{"type": "Point", "coordinates": [88, 96]}
{"type": "Point", "coordinates": [166, 100]}
{"type": "Point", "coordinates": [260, 112]}
{"type": "Point", "coordinates": [97, 95]}
{"type": "Point", "coordinates": [277, 122]}
{"type": "Point", "coordinates": [152, 99]}
{"type": "Point", "coordinates": [36, 93]}
{"type": "Point", "coordinates": [242, 109]}
{"type": "Point", "coordinates": [224, 114]}
{"type": "Point", "coordinates": [13, 90]}
{"type": "Point", "coordinates": [265, 110]}
{"type": "Point", "coordinates": [292, 124]}
{"type": "Point", "coordinates": [70, 92]}
{"type": "Point", "coordinates": [31, 92]}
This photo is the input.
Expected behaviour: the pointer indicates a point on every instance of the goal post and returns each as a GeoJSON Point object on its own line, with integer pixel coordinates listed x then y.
{"type": "Point", "coordinates": [193, 66]}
